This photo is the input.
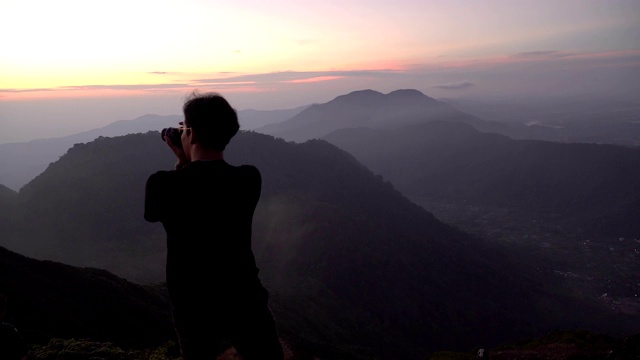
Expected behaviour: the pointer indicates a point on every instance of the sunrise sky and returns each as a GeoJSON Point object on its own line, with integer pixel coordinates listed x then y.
{"type": "Point", "coordinates": [68, 66]}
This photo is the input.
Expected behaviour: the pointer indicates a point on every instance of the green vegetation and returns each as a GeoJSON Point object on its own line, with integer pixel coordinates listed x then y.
{"type": "Point", "coordinates": [72, 349]}
{"type": "Point", "coordinates": [581, 338]}
{"type": "Point", "coordinates": [450, 355]}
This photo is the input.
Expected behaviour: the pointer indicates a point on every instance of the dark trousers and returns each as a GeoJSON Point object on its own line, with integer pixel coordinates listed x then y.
{"type": "Point", "coordinates": [250, 329]}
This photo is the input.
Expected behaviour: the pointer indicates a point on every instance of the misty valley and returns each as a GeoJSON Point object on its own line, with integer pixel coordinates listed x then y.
{"type": "Point", "coordinates": [391, 226]}
{"type": "Point", "coordinates": [593, 266]}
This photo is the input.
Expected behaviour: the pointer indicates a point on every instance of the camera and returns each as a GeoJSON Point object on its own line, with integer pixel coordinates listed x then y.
{"type": "Point", "coordinates": [173, 134]}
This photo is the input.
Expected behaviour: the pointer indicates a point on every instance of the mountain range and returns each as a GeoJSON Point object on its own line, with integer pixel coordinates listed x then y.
{"type": "Point", "coordinates": [354, 267]}
{"type": "Point", "coordinates": [573, 120]}
{"type": "Point", "coordinates": [453, 162]}
{"type": "Point", "coordinates": [373, 109]}
{"type": "Point", "coordinates": [576, 119]}
{"type": "Point", "coordinates": [561, 120]}
{"type": "Point", "coordinates": [21, 162]}
{"type": "Point", "coordinates": [358, 265]}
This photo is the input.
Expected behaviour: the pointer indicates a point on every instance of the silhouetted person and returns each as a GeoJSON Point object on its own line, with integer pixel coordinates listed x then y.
{"type": "Point", "coordinates": [12, 345]}
{"type": "Point", "coordinates": [206, 206]}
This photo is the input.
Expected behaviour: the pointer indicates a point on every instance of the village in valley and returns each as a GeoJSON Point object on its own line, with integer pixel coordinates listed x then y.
{"type": "Point", "coordinates": [602, 268]}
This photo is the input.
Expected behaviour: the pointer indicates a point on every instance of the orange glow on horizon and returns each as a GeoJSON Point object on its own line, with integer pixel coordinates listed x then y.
{"type": "Point", "coordinates": [181, 83]}
{"type": "Point", "coordinates": [62, 93]}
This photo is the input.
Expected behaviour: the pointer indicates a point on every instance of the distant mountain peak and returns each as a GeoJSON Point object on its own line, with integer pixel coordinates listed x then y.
{"type": "Point", "coordinates": [368, 97]}
{"type": "Point", "coordinates": [365, 92]}
{"type": "Point", "coordinates": [365, 108]}
{"type": "Point", "coordinates": [406, 92]}
{"type": "Point", "coordinates": [363, 97]}
{"type": "Point", "coordinates": [409, 93]}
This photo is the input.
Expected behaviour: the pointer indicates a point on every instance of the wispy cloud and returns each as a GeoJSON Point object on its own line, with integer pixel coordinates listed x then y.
{"type": "Point", "coordinates": [540, 54]}
{"type": "Point", "coordinates": [124, 87]}
{"type": "Point", "coordinates": [17, 91]}
{"type": "Point", "coordinates": [223, 79]}
{"type": "Point", "coordinates": [316, 79]}
{"type": "Point", "coordinates": [455, 85]}
{"type": "Point", "coordinates": [434, 74]}
{"type": "Point", "coordinates": [593, 59]}
{"type": "Point", "coordinates": [291, 76]}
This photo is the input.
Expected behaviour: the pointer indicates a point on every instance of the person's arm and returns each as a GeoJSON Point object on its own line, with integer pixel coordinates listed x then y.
{"type": "Point", "coordinates": [153, 204]}
{"type": "Point", "coordinates": [179, 152]}
{"type": "Point", "coordinates": [255, 185]}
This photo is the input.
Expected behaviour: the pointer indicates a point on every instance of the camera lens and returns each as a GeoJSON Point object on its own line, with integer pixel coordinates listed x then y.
{"type": "Point", "coordinates": [173, 134]}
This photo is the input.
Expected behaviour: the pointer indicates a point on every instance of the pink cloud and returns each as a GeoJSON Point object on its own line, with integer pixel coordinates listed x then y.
{"type": "Point", "coordinates": [314, 79]}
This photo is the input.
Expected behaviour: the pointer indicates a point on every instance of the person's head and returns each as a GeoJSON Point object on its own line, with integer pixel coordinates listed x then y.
{"type": "Point", "coordinates": [211, 118]}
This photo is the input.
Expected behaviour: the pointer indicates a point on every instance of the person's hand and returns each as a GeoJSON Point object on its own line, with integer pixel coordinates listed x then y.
{"type": "Point", "coordinates": [179, 152]}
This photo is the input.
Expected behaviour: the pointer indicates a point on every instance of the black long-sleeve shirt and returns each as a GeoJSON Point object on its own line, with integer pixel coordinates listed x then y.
{"type": "Point", "coordinates": [207, 211]}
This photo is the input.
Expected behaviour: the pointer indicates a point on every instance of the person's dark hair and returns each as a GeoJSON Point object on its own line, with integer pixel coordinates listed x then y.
{"type": "Point", "coordinates": [212, 118]}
